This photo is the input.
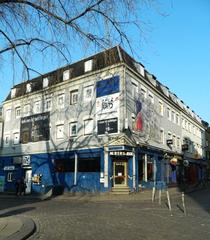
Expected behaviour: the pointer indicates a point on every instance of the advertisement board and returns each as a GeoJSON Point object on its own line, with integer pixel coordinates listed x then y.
{"type": "Point", "coordinates": [35, 128]}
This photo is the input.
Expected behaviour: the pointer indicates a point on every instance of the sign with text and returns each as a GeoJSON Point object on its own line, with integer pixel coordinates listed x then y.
{"type": "Point", "coordinates": [35, 128]}
{"type": "Point", "coordinates": [107, 126]}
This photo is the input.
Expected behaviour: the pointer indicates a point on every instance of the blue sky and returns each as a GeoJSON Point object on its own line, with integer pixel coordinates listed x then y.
{"type": "Point", "coordinates": [175, 48]}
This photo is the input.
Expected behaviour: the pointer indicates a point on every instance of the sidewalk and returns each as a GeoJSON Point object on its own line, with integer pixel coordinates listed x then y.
{"type": "Point", "coordinates": [16, 228]}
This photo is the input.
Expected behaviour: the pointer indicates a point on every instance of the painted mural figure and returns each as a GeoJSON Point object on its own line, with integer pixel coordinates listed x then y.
{"type": "Point", "coordinates": [139, 120]}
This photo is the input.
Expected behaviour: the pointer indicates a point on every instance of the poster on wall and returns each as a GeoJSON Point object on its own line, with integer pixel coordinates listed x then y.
{"type": "Point", "coordinates": [35, 128]}
{"type": "Point", "coordinates": [107, 126]}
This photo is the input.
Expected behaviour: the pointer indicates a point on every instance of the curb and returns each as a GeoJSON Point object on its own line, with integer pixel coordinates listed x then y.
{"type": "Point", "coordinates": [28, 228]}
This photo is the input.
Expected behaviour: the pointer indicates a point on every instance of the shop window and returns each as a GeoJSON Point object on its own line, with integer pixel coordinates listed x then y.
{"type": "Point", "coordinates": [9, 176]}
{"type": "Point", "coordinates": [64, 165]}
{"type": "Point", "coordinates": [150, 173]}
{"type": "Point", "coordinates": [73, 97]}
{"type": "Point", "coordinates": [89, 165]}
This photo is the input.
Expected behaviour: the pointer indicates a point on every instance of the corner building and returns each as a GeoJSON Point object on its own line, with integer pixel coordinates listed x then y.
{"type": "Point", "coordinates": [98, 125]}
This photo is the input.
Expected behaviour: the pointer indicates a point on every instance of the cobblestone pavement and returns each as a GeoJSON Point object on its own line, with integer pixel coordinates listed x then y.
{"type": "Point", "coordinates": [85, 219]}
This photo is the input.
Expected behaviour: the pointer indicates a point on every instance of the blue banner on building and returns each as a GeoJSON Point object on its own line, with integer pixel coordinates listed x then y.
{"type": "Point", "coordinates": [108, 86]}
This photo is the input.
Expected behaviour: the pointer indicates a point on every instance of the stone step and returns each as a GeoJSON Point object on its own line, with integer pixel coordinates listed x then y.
{"type": "Point", "coordinates": [120, 190]}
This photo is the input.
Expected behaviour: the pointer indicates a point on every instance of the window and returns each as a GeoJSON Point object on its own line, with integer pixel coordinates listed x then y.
{"type": "Point", "coordinates": [60, 131]}
{"type": "Point", "coordinates": [88, 126]}
{"type": "Point", "coordinates": [151, 97]}
{"type": "Point", "coordinates": [66, 75]}
{"type": "Point", "coordinates": [8, 115]}
{"type": "Point", "coordinates": [89, 165]}
{"type": "Point", "coordinates": [45, 82]}
{"type": "Point", "coordinates": [28, 87]}
{"type": "Point", "coordinates": [174, 140]}
{"type": "Point", "coordinates": [17, 112]}
{"type": "Point", "coordinates": [186, 125]}
{"type": "Point", "coordinates": [189, 127]}
{"type": "Point", "coordinates": [134, 89]}
{"type": "Point", "coordinates": [178, 142]}
{"type": "Point", "coordinates": [48, 104]}
{"type": "Point", "coordinates": [64, 165]}
{"type": "Point", "coordinates": [16, 138]}
{"type": "Point", "coordinates": [160, 108]}
{"type": "Point", "coordinates": [88, 65]}
{"type": "Point", "coordinates": [162, 136]}
{"type": "Point", "coordinates": [169, 136]}
{"type": "Point", "coordinates": [60, 100]}
{"type": "Point", "coordinates": [9, 176]}
{"type": "Point", "coordinates": [143, 92]}
{"type": "Point", "coordinates": [73, 97]}
{"type": "Point", "coordinates": [177, 119]}
{"type": "Point", "coordinates": [13, 92]}
{"type": "Point", "coordinates": [73, 129]}
{"type": "Point", "coordinates": [26, 110]}
{"type": "Point", "coordinates": [6, 140]}
{"type": "Point", "coordinates": [173, 117]}
{"type": "Point", "coordinates": [168, 113]}
{"type": "Point", "coordinates": [183, 123]}
{"type": "Point", "coordinates": [88, 93]}
{"type": "Point", "coordinates": [37, 107]}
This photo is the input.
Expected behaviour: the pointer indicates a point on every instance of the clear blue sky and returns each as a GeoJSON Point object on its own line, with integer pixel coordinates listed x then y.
{"type": "Point", "coordinates": [176, 49]}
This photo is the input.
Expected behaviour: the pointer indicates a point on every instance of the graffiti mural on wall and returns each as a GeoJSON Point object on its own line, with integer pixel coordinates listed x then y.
{"type": "Point", "coordinates": [146, 124]}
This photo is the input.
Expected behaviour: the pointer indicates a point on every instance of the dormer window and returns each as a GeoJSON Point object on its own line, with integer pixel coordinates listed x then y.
{"type": "Point", "coordinates": [66, 75]}
{"type": "Point", "coordinates": [28, 87]}
{"type": "Point", "coordinates": [89, 65]}
{"type": "Point", "coordinates": [13, 92]}
{"type": "Point", "coordinates": [45, 82]}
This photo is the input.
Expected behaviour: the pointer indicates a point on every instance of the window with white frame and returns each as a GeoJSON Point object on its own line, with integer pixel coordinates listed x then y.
{"type": "Point", "coordinates": [66, 75]}
{"type": "Point", "coordinates": [73, 97]}
{"type": "Point", "coordinates": [160, 108]}
{"type": "Point", "coordinates": [60, 131]}
{"type": "Point", "coordinates": [88, 65]}
{"type": "Point", "coordinates": [48, 104]}
{"type": "Point", "coordinates": [151, 97]}
{"type": "Point", "coordinates": [6, 139]}
{"type": "Point", "coordinates": [8, 115]}
{"type": "Point", "coordinates": [13, 92]}
{"type": "Point", "coordinates": [88, 126]}
{"type": "Point", "coordinates": [16, 138]}
{"type": "Point", "coordinates": [88, 93]}
{"type": "Point", "coordinates": [17, 112]}
{"type": "Point", "coordinates": [9, 176]}
{"type": "Point", "coordinates": [45, 82]}
{"type": "Point", "coordinates": [26, 110]}
{"type": "Point", "coordinates": [186, 126]}
{"type": "Point", "coordinates": [174, 140]}
{"type": "Point", "coordinates": [168, 113]}
{"type": "Point", "coordinates": [173, 119]}
{"type": "Point", "coordinates": [178, 142]}
{"type": "Point", "coordinates": [37, 107]}
{"type": "Point", "coordinates": [183, 123]}
{"type": "Point", "coordinates": [28, 87]}
{"type": "Point", "coordinates": [189, 127]}
{"type": "Point", "coordinates": [73, 129]}
{"type": "Point", "coordinates": [134, 89]}
{"type": "Point", "coordinates": [143, 92]}
{"type": "Point", "coordinates": [162, 138]}
{"type": "Point", "coordinates": [177, 119]}
{"type": "Point", "coordinates": [61, 100]}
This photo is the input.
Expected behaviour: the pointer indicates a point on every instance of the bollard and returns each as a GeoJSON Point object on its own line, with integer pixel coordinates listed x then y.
{"type": "Point", "coordinates": [168, 198]}
{"type": "Point", "coordinates": [160, 193]}
{"type": "Point", "coordinates": [153, 194]}
{"type": "Point", "coordinates": [183, 204]}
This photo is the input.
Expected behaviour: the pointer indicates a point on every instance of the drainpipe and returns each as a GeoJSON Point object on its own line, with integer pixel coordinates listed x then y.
{"type": "Point", "coordinates": [75, 168]}
{"type": "Point", "coordinates": [106, 167]}
{"type": "Point", "coordinates": [145, 167]}
{"type": "Point", "coordinates": [134, 169]}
